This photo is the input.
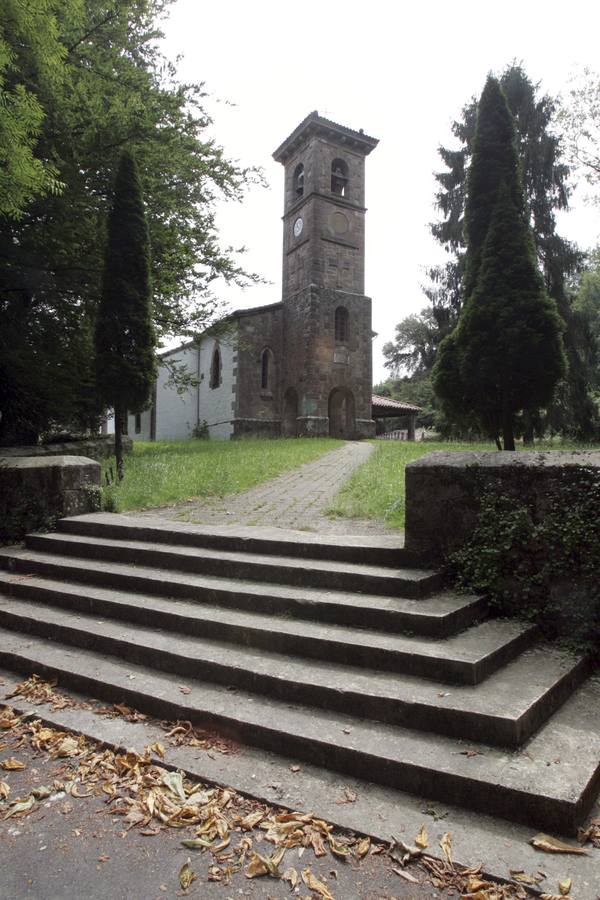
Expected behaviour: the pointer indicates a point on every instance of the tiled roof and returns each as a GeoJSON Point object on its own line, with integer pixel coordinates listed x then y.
{"type": "Point", "coordinates": [388, 403]}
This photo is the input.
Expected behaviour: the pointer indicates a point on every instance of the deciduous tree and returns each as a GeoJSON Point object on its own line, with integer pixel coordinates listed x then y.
{"type": "Point", "coordinates": [117, 90]}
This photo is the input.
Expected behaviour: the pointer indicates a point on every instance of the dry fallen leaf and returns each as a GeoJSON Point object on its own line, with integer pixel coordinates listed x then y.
{"type": "Point", "coordinates": [12, 764]}
{"type": "Point", "coordinates": [4, 790]}
{"type": "Point", "coordinates": [20, 807]}
{"type": "Point", "coordinates": [406, 875]}
{"type": "Point", "coordinates": [315, 885]}
{"type": "Point", "coordinates": [252, 820]}
{"type": "Point", "coordinates": [446, 845]}
{"type": "Point", "coordinates": [422, 838]}
{"type": "Point", "coordinates": [67, 747]}
{"type": "Point", "coordinates": [186, 875]}
{"type": "Point", "coordinates": [197, 843]}
{"type": "Point", "coordinates": [524, 878]}
{"type": "Point", "coordinates": [552, 845]}
{"type": "Point", "coordinates": [565, 886]}
{"type": "Point", "coordinates": [363, 847]}
{"type": "Point", "coordinates": [291, 875]}
{"type": "Point", "coordinates": [338, 849]}
{"type": "Point", "coordinates": [263, 865]}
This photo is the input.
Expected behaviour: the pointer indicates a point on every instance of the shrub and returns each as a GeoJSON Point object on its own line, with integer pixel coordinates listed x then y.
{"type": "Point", "coordinates": [540, 560]}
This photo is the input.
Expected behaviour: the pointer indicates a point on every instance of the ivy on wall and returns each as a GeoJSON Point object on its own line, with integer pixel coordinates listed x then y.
{"type": "Point", "coordinates": [539, 558]}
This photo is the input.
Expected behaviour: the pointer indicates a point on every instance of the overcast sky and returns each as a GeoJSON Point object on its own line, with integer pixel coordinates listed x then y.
{"type": "Point", "coordinates": [400, 72]}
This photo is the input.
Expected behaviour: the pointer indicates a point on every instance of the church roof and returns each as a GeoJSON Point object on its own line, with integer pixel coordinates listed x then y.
{"type": "Point", "coordinates": [385, 406]}
{"type": "Point", "coordinates": [316, 124]}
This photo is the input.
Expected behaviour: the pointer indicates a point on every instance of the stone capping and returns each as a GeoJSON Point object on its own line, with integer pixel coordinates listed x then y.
{"type": "Point", "coordinates": [96, 447]}
{"type": "Point", "coordinates": [37, 490]}
{"type": "Point", "coordinates": [444, 488]}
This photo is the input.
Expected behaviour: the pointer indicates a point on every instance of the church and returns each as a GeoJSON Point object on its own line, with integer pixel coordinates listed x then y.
{"type": "Point", "coordinates": [301, 366]}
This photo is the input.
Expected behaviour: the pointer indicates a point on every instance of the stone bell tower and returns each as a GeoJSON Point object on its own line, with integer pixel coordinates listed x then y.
{"type": "Point", "coordinates": [327, 367]}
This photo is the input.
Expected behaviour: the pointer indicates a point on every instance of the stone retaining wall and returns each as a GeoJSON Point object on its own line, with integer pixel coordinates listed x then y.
{"type": "Point", "coordinates": [95, 447]}
{"type": "Point", "coordinates": [443, 491]}
{"type": "Point", "coordinates": [35, 491]}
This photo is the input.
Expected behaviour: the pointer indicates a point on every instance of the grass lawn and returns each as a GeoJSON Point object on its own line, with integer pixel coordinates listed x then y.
{"type": "Point", "coordinates": [158, 473]}
{"type": "Point", "coordinates": [376, 490]}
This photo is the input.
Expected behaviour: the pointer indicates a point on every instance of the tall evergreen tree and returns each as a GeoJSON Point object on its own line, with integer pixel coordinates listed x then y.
{"type": "Point", "coordinates": [545, 181]}
{"type": "Point", "coordinates": [125, 340]}
{"type": "Point", "coordinates": [506, 353]}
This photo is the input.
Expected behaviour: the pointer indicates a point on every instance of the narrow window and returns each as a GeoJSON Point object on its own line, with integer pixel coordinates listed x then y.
{"type": "Point", "coordinates": [299, 181]}
{"type": "Point", "coordinates": [341, 324]}
{"type": "Point", "coordinates": [339, 178]}
{"type": "Point", "coordinates": [264, 375]}
{"type": "Point", "coordinates": [215, 368]}
{"type": "Point", "coordinates": [138, 423]}
{"type": "Point", "coordinates": [267, 370]}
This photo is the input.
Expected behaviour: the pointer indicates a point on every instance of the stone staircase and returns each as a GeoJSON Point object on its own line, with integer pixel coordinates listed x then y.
{"type": "Point", "coordinates": [341, 651]}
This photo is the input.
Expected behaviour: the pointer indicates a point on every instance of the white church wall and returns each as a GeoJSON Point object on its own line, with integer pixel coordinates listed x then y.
{"type": "Point", "coordinates": [176, 413]}
{"type": "Point", "coordinates": [215, 404]}
{"type": "Point", "coordinates": [144, 422]}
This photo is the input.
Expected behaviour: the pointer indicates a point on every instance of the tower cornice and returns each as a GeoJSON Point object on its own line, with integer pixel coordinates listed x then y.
{"type": "Point", "coordinates": [314, 124]}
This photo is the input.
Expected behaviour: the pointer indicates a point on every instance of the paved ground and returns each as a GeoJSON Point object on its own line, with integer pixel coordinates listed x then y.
{"type": "Point", "coordinates": [297, 499]}
{"type": "Point", "coordinates": [68, 848]}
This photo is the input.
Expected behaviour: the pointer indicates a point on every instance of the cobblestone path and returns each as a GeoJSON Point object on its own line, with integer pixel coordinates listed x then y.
{"type": "Point", "coordinates": [296, 499]}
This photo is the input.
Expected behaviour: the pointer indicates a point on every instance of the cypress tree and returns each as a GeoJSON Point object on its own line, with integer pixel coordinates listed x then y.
{"type": "Point", "coordinates": [510, 345]}
{"type": "Point", "coordinates": [506, 353]}
{"type": "Point", "coordinates": [495, 161]}
{"type": "Point", "coordinates": [125, 341]}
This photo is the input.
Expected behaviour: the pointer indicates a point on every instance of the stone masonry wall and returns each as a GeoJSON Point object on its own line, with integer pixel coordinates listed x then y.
{"type": "Point", "coordinates": [255, 404]}
{"type": "Point", "coordinates": [443, 491]}
{"type": "Point", "coordinates": [35, 491]}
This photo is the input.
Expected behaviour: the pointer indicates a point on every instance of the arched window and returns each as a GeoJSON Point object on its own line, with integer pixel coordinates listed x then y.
{"type": "Point", "coordinates": [299, 180]}
{"type": "Point", "coordinates": [266, 369]}
{"type": "Point", "coordinates": [341, 324]}
{"type": "Point", "coordinates": [339, 178]}
{"type": "Point", "coordinates": [215, 368]}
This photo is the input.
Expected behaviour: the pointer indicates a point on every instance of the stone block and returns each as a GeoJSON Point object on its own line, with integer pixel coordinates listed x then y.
{"type": "Point", "coordinates": [444, 490]}
{"type": "Point", "coordinates": [97, 447]}
{"type": "Point", "coordinates": [258, 428]}
{"type": "Point", "coordinates": [37, 490]}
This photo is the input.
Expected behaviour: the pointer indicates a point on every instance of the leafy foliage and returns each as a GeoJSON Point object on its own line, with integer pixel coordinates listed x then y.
{"type": "Point", "coordinates": [540, 561]}
{"type": "Point", "coordinates": [116, 91]}
{"type": "Point", "coordinates": [32, 71]}
{"type": "Point", "coordinates": [580, 121]}
{"type": "Point", "coordinates": [414, 348]}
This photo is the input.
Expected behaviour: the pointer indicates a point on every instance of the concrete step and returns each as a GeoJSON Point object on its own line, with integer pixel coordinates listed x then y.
{"type": "Point", "coordinates": [345, 576]}
{"type": "Point", "coordinates": [550, 784]}
{"type": "Point", "coordinates": [504, 710]}
{"type": "Point", "coordinates": [193, 633]}
{"type": "Point", "coordinates": [439, 615]}
{"type": "Point", "coordinates": [377, 550]}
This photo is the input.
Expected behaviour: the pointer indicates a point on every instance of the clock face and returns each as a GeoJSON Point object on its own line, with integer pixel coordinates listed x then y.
{"type": "Point", "coordinates": [298, 226]}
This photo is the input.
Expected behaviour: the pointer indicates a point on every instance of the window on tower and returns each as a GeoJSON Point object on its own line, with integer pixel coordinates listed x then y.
{"type": "Point", "coordinates": [341, 325]}
{"type": "Point", "coordinates": [299, 180]}
{"type": "Point", "coordinates": [215, 368]}
{"type": "Point", "coordinates": [339, 178]}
